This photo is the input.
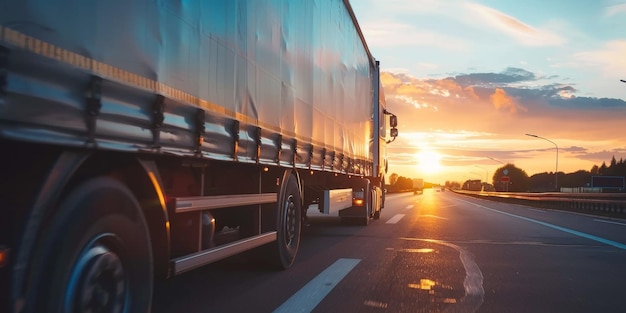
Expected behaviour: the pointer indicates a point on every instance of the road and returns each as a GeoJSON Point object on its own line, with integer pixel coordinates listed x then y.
{"type": "Point", "coordinates": [434, 252]}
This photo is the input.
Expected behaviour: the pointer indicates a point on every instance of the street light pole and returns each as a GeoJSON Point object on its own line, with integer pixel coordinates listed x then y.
{"type": "Point", "coordinates": [556, 170]}
{"type": "Point", "coordinates": [480, 176]}
{"type": "Point", "coordinates": [486, 173]}
{"type": "Point", "coordinates": [501, 182]}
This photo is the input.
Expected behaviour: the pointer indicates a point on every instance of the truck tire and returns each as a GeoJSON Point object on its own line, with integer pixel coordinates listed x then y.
{"type": "Point", "coordinates": [96, 255]}
{"type": "Point", "coordinates": [376, 205]}
{"type": "Point", "coordinates": [288, 223]}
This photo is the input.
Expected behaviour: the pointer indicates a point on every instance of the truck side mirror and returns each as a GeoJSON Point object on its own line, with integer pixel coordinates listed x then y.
{"type": "Point", "coordinates": [394, 132]}
{"type": "Point", "coordinates": [393, 121]}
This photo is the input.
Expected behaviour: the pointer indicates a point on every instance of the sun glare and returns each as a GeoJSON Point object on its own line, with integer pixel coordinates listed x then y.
{"type": "Point", "coordinates": [428, 161]}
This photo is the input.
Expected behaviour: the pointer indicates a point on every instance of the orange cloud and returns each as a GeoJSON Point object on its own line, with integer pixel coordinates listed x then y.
{"type": "Point", "coordinates": [410, 89]}
{"type": "Point", "coordinates": [389, 80]}
{"type": "Point", "coordinates": [470, 93]}
{"type": "Point", "coordinates": [501, 100]}
{"type": "Point", "coordinates": [449, 85]}
{"type": "Point", "coordinates": [415, 103]}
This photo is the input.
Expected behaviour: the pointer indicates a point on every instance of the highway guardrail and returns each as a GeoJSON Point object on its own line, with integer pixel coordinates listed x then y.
{"type": "Point", "coordinates": [603, 204]}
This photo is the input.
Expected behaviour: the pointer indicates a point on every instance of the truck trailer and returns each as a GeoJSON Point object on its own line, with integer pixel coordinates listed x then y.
{"type": "Point", "coordinates": [418, 185]}
{"type": "Point", "coordinates": [144, 139]}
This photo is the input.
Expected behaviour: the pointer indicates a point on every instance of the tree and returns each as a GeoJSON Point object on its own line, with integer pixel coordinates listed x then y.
{"type": "Point", "coordinates": [579, 178]}
{"type": "Point", "coordinates": [453, 184]}
{"type": "Point", "coordinates": [518, 179]}
{"type": "Point", "coordinates": [602, 170]}
{"type": "Point", "coordinates": [403, 183]}
{"type": "Point", "coordinates": [400, 184]}
{"type": "Point", "coordinates": [542, 182]}
{"type": "Point", "coordinates": [393, 178]}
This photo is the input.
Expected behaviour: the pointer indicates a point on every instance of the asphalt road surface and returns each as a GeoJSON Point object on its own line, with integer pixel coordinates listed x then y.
{"type": "Point", "coordinates": [434, 252]}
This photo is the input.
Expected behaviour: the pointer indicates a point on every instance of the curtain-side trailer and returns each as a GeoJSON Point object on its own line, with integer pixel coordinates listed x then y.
{"type": "Point", "coordinates": [143, 139]}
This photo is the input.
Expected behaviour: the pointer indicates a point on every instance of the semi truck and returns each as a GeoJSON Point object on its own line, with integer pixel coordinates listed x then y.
{"type": "Point", "coordinates": [144, 139]}
{"type": "Point", "coordinates": [418, 185]}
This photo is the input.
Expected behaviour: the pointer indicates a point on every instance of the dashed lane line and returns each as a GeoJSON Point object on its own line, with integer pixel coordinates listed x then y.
{"type": "Point", "coordinates": [309, 296]}
{"type": "Point", "coordinates": [434, 216]}
{"type": "Point", "coordinates": [395, 219]}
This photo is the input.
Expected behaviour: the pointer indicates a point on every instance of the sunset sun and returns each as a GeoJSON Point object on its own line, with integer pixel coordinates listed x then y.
{"type": "Point", "coordinates": [428, 161]}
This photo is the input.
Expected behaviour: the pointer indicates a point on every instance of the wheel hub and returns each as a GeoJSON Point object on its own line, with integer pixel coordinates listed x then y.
{"type": "Point", "coordinates": [101, 286]}
{"type": "Point", "coordinates": [290, 221]}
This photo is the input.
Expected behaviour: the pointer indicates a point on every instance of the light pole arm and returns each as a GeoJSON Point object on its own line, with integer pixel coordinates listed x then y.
{"type": "Point", "coordinates": [496, 160]}
{"type": "Point", "coordinates": [486, 173]}
{"type": "Point", "coordinates": [556, 169]}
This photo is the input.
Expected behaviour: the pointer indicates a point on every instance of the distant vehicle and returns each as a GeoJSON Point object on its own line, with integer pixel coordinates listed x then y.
{"type": "Point", "coordinates": [418, 185]}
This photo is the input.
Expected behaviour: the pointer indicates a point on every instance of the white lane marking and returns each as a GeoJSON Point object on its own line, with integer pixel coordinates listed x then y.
{"type": "Point", "coordinates": [563, 229]}
{"type": "Point", "coordinates": [434, 216]}
{"type": "Point", "coordinates": [396, 218]}
{"type": "Point", "coordinates": [408, 207]}
{"type": "Point", "coordinates": [309, 296]}
{"type": "Point", "coordinates": [473, 283]}
{"type": "Point", "coordinates": [537, 210]}
{"type": "Point", "coordinates": [610, 222]}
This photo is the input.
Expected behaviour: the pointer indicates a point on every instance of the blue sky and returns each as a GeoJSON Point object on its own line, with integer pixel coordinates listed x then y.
{"type": "Point", "coordinates": [469, 78]}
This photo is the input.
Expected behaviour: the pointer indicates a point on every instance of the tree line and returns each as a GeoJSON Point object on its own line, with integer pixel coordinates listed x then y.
{"type": "Point", "coordinates": [514, 179]}
{"type": "Point", "coordinates": [580, 178]}
{"type": "Point", "coordinates": [400, 184]}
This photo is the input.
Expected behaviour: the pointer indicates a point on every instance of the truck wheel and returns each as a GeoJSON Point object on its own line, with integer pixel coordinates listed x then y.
{"type": "Point", "coordinates": [288, 223]}
{"type": "Point", "coordinates": [96, 256]}
{"type": "Point", "coordinates": [376, 205]}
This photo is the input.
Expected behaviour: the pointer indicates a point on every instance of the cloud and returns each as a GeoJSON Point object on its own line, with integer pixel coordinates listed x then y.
{"type": "Point", "coordinates": [616, 9]}
{"type": "Point", "coordinates": [588, 103]}
{"type": "Point", "coordinates": [415, 6]}
{"type": "Point", "coordinates": [603, 155]}
{"type": "Point", "coordinates": [523, 33]}
{"type": "Point", "coordinates": [574, 149]}
{"type": "Point", "coordinates": [416, 103]}
{"type": "Point", "coordinates": [509, 75]}
{"type": "Point", "coordinates": [610, 58]}
{"type": "Point", "coordinates": [501, 100]}
{"type": "Point", "coordinates": [513, 90]}
{"type": "Point", "coordinates": [560, 80]}
{"type": "Point", "coordinates": [471, 94]}
{"type": "Point", "coordinates": [470, 116]}
{"type": "Point", "coordinates": [390, 79]}
{"type": "Point", "coordinates": [560, 91]}
{"type": "Point", "coordinates": [383, 33]}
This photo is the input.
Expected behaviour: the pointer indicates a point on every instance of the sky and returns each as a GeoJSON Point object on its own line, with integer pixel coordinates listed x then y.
{"type": "Point", "coordinates": [469, 79]}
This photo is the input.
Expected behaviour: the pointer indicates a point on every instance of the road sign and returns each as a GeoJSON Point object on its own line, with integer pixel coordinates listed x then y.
{"type": "Point", "coordinates": [505, 178]}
